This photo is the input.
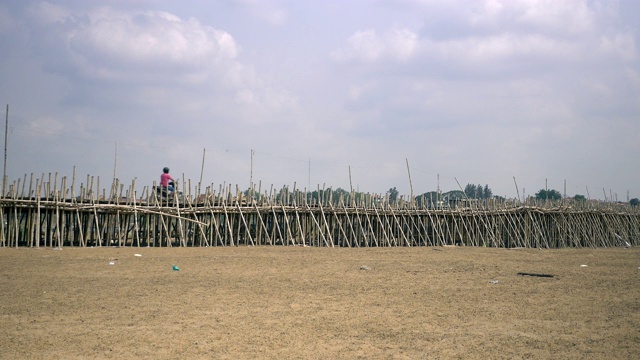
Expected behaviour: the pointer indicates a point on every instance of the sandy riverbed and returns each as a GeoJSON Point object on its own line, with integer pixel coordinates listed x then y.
{"type": "Point", "coordinates": [319, 303]}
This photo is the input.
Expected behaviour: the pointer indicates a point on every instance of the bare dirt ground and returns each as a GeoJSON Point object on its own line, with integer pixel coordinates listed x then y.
{"type": "Point", "coordinates": [319, 303]}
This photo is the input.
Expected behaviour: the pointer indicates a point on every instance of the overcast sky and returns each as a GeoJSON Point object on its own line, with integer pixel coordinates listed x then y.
{"type": "Point", "coordinates": [478, 91]}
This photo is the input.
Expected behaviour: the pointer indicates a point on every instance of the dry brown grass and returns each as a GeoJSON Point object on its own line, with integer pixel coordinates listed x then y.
{"type": "Point", "coordinates": [319, 303]}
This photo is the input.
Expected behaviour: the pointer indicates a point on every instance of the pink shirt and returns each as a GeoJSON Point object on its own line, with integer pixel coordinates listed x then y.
{"type": "Point", "coordinates": [164, 179]}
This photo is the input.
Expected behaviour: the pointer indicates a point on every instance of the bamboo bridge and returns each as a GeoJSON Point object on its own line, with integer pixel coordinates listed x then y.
{"type": "Point", "coordinates": [51, 214]}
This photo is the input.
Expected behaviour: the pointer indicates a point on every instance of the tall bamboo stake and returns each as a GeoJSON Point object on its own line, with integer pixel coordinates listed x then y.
{"type": "Point", "coordinates": [6, 137]}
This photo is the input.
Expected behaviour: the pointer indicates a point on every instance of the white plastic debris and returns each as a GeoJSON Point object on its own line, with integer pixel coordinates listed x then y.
{"type": "Point", "coordinates": [112, 262]}
{"type": "Point", "coordinates": [365, 267]}
{"type": "Point", "coordinates": [583, 265]}
{"type": "Point", "coordinates": [137, 255]}
{"type": "Point", "coordinates": [493, 282]}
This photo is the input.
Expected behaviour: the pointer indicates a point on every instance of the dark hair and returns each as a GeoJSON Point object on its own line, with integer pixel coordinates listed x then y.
{"type": "Point", "coordinates": [165, 170]}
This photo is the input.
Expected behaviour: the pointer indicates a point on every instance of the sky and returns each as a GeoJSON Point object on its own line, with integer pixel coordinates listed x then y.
{"type": "Point", "coordinates": [363, 95]}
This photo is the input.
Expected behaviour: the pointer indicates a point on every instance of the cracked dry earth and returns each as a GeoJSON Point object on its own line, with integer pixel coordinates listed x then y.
{"type": "Point", "coordinates": [319, 303]}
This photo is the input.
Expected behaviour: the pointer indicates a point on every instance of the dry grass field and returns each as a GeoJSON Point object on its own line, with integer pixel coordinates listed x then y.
{"type": "Point", "coordinates": [319, 303]}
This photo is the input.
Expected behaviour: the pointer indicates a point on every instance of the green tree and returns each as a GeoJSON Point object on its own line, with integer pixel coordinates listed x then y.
{"type": "Point", "coordinates": [499, 199]}
{"type": "Point", "coordinates": [330, 193]}
{"type": "Point", "coordinates": [428, 198]}
{"type": "Point", "coordinates": [453, 195]}
{"type": "Point", "coordinates": [393, 195]}
{"type": "Point", "coordinates": [548, 195]}
{"type": "Point", "coordinates": [634, 202]}
{"type": "Point", "coordinates": [478, 191]}
{"type": "Point", "coordinates": [340, 192]}
{"type": "Point", "coordinates": [580, 198]}
{"type": "Point", "coordinates": [470, 190]}
{"type": "Point", "coordinates": [487, 193]}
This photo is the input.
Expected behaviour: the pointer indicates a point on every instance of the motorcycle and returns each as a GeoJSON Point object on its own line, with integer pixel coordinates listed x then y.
{"type": "Point", "coordinates": [164, 195]}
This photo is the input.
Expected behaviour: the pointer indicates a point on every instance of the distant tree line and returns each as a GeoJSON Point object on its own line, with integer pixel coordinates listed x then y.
{"type": "Point", "coordinates": [579, 198]}
{"type": "Point", "coordinates": [478, 191]}
{"type": "Point", "coordinates": [430, 198]}
{"type": "Point", "coordinates": [548, 195]}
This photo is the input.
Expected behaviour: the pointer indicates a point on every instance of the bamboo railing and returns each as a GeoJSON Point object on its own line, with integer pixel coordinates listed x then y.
{"type": "Point", "coordinates": [48, 213]}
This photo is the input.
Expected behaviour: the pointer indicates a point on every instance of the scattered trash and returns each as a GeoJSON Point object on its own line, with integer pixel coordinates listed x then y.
{"type": "Point", "coordinates": [57, 248]}
{"type": "Point", "coordinates": [534, 274]}
{"type": "Point", "coordinates": [583, 265]}
{"type": "Point", "coordinates": [137, 255]}
{"type": "Point", "coordinates": [112, 262]}
{"type": "Point", "coordinates": [364, 267]}
{"type": "Point", "coordinates": [493, 282]}
{"type": "Point", "coordinates": [175, 268]}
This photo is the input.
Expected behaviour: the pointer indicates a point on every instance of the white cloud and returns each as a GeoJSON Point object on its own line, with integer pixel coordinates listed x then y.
{"type": "Point", "coordinates": [571, 16]}
{"type": "Point", "coordinates": [480, 90]}
{"type": "Point", "coordinates": [621, 45]}
{"type": "Point", "coordinates": [557, 17]}
{"type": "Point", "coordinates": [270, 11]}
{"type": "Point", "coordinates": [49, 13]}
{"type": "Point", "coordinates": [156, 57]}
{"type": "Point", "coordinates": [46, 125]}
{"type": "Point", "coordinates": [367, 46]}
{"type": "Point", "coordinates": [402, 43]}
{"type": "Point", "coordinates": [110, 45]}
{"type": "Point", "coordinates": [538, 36]}
{"type": "Point", "coordinates": [356, 92]}
{"type": "Point", "coordinates": [517, 78]}
{"type": "Point", "coordinates": [363, 45]}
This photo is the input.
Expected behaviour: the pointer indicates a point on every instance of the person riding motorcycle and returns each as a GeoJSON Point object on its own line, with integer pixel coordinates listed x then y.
{"type": "Point", "coordinates": [166, 181]}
